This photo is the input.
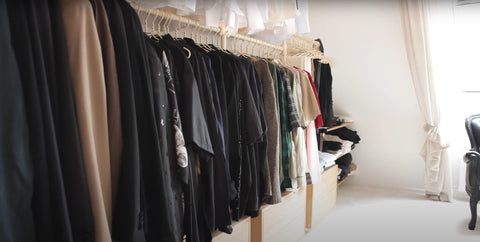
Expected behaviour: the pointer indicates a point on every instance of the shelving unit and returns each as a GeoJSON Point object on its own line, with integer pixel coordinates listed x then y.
{"type": "Point", "coordinates": [282, 222]}
{"type": "Point", "coordinates": [241, 232]}
{"type": "Point", "coordinates": [353, 167]}
{"type": "Point", "coordinates": [321, 198]}
{"type": "Point", "coordinates": [344, 124]}
{"type": "Point", "coordinates": [285, 221]}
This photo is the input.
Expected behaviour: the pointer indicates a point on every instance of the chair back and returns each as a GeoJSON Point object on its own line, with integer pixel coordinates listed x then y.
{"type": "Point", "coordinates": [472, 177]}
{"type": "Point", "coordinates": [472, 124]}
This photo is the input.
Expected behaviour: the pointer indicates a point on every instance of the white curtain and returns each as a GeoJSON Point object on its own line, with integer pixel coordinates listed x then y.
{"type": "Point", "coordinates": [415, 20]}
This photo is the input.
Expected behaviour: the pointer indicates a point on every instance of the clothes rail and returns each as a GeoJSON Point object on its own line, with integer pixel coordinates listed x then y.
{"type": "Point", "coordinates": [255, 41]}
{"type": "Point", "coordinates": [169, 17]}
{"type": "Point", "coordinates": [295, 45]}
{"type": "Point", "coordinates": [158, 16]}
{"type": "Point", "coordinates": [304, 46]}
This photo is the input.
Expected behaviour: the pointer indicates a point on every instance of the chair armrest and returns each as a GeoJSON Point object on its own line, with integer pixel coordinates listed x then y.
{"type": "Point", "coordinates": [471, 156]}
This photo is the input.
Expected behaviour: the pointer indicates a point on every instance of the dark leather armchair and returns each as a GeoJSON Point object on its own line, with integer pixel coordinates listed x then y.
{"type": "Point", "coordinates": [472, 158]}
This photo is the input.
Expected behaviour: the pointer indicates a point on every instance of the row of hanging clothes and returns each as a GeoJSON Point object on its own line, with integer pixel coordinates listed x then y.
{"type": "Point", "coordinates": [110, 134]}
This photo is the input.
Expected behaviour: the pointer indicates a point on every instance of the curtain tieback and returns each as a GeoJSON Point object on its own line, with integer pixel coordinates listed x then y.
{"type": "Point", "coordinates": [432, 153]}
{"type": "Point", "coordinates": [433, 135]}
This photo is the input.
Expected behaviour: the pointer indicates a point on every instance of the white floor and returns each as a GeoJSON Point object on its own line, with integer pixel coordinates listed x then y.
{"type": "Point", "coordinates": [378, 214]}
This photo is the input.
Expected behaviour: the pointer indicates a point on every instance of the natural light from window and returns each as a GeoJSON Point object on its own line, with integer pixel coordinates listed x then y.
{"type": "Point", "coordinates": [467, 41]}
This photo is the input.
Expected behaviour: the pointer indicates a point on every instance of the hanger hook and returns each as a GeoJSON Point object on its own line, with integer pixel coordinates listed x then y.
{"type": "Point", "coordinates": [200, 33]}
{"type": "Point", "coordinates": [159, 24]}
{"type": "Point", "coordinates": [184, 31]}
{"type": "Point", "coordinates": [146, 17]}
{"type": "Point", "coordinates": [169, 22]}
{"type": "Point", "coordinates": [197, 34]}
{"type": "Point", "coordinates": [206, 33]}
{"type": "Point", "coordinates": [137, 7]}
{"type": "Point", "coordinates": [153, 24]}
{"type": "Point", "coordinates": [177, 27]}
{"type": "Point", "coordinates": [165, 24]}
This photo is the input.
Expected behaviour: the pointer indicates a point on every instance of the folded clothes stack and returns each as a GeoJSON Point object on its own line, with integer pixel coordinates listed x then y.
{"type": "Point", "coordinates": [326, 159]}
{"type": "Point", "coordinates": [340, 142]}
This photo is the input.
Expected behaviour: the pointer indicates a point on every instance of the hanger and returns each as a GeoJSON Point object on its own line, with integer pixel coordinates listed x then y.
{"type": "Point", "coordinates": [269, 52]}
{"type": "Point", "coordinates": [195, 33]}
{"type": "Point", "coordinates": [159, 26]}
{"type": "Point", "coordinates": [137, 8]}
{"type": "Point", "coordinates": [236, 45]}
{"type": "Point", "coordinates": [206, 45]}
{"type": "Point", "coordinates": [210, 43]}
{"type": "Point", "coordinates": [200, 36]}
{"type": "Point", "coordinates": [258, 54]}
{"type": "Point", "coordinates": [146, 17]}
{"type": "Point", "coordinates": [188, 51]}
{"type": "Point", "coordinates": [184, 31]}
{"type": "Point", "coordinates": [181, 26]}
{"type": "Point", "coordinates": [165, 25]}
{"type": "Point", "coordinates": [176, 30]}
{"type": "Point", "coordinates": [252, 50]}
{"type": "Point", "coordinates": [153, 35]}
{"type": "Point", "coordinates": [170, 19]}
{"type": "Point", "coordinates": [203, 44]}
{"type": "Point", "coordinates": [239, 46]}
{"type": "Point", "coordinates": [246, 53]}
{"type": "Point", "coordinates": [243, 47]}
{"type": "Point", "coordinates": [190, 32]}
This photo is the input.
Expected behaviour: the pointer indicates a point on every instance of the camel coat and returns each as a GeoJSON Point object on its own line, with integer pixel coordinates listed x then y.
{"type": "Point", "coordinates": [88, 79]}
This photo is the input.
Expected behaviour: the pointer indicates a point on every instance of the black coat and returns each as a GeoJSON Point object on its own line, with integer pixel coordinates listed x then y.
{"type": "Point", "coordinates": [65, 120]}
{"type": "Point", "coordinates": [127, 215]}
{"type": "Point", "coordinates": [323, 81]}
{"type": "Point", "coordinates": [16, 166]}
{"type": "Point", "coordinates": [30, 30]}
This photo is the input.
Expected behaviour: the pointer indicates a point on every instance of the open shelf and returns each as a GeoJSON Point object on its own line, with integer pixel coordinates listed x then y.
{"type": "Point", "coordinates": [284, 221]}
{"type": "Point", "coordinates": [345, 124]}
{"type": "Point", "coordinates": [241, 232]}
{"type": "Point", "coordinates": [321, 197]}
{"type": "Point", "coordinates": [353, 168]}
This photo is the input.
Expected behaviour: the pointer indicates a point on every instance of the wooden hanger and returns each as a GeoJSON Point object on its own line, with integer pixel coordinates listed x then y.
{"type": "Point", "coordinates": [146, 24]}
{"type": "Point", "coordinates": [153, 35]}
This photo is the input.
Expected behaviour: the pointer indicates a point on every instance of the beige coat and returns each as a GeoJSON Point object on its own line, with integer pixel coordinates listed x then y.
{"type": "Point", "coordinates": [113, 96]}
{"type": "Point", "coordinates": [85, 57]}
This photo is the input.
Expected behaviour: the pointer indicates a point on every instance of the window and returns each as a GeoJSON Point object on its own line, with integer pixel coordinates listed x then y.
{"type": "Point", "coordinates": [467, 44]}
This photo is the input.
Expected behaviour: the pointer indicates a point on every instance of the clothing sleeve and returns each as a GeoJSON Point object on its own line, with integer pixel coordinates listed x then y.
{"type": "Point", "coordinates": [253, 123]}
{"type": "Point", "coordinates": [309, 100]}
{"type": "Point", "coordinates": [293, 119]}
{"type": "Point", "coordinates": [319, 120]}
{"type": "Point", "coordinates": [194, 116]}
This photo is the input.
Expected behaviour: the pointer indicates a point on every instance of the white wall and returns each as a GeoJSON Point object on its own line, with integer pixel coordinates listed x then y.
{"type": "Point", "coordinates": [372, 84]}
